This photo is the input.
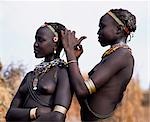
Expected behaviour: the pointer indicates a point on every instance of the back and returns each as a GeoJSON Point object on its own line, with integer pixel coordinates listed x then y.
{"type": "Point", "coordinates": [110, 92]}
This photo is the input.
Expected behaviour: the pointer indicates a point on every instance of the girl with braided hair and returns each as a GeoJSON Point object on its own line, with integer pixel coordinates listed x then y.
{"type": "Point", "coordinates": [45, 93]}
{"type": "Point", "coordinates": [100, 94]}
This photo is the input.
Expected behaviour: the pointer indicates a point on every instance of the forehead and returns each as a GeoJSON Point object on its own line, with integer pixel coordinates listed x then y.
{"type": "Point", "coordinates": [44, 31]}
{"type": "Point", "coordinates": [106, 19]}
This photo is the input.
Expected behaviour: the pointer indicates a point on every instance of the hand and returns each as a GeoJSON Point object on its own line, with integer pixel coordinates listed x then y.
{"type": "Point", "coordinates": [70, 42]}
{"type": "Point", "coordinates": [42, 110]}
{"type": "Point", "coordinates": [50, 117]}
{"type": "Point", "coordinates": [78, 50]}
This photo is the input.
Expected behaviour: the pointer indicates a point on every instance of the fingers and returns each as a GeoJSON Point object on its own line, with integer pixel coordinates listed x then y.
{"type": "Point", "coordinates": [81, 38]}
{"type": "Point", "coordinates": [69, 39]}
{"type": "Point", "coordinates": [63, 33]}
{"type": "Point", "coordinates": [73, 33]}
{"type": "Point", "coordinates": [78, 47]}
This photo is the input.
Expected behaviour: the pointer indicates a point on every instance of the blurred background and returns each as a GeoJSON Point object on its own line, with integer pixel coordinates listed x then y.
{"type": "Point", "coordinates": [19, 22]}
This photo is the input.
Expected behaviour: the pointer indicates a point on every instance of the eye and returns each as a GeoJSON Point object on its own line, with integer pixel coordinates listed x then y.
{"type": "Point", "coordinates": [102, 26]}
{"type": "Point", "coordinates": [39, 39]}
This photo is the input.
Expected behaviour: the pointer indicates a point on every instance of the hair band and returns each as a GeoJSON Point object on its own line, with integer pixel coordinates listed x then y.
{"type": "Point", "coordinates": [118, 21]}
{"type": "Point", "coordinates": [51, 28]}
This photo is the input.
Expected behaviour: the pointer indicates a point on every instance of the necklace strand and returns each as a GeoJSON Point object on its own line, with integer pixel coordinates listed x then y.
{"type": "Point", "coordinates": [114, 48]}
{"type": "Point", "coordinates": [43, 67]}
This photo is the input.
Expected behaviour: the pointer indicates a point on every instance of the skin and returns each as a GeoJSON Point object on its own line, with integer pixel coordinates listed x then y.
{"type": "Point", "coordinates": [110, 76]}
{"type": "Point", "coordinates": [43, 48]}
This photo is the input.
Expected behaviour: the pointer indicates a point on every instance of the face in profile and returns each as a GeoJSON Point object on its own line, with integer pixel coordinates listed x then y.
{"type": "Point", "coordinates": [44, 44]}
{"type": "Point", "coordinates": [107, 30]}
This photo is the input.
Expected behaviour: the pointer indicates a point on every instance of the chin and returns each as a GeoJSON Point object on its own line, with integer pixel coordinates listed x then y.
{"type": "Point", "coordinates": [103, 45]}
{"type": "Point", "coordinates": [37, 56]}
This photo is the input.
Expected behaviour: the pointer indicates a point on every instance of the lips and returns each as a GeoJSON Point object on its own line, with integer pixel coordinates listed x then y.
{"type": "Point", "coordinates": [36, 51]}
{"type": "Point", "coordinates": [99, 38]}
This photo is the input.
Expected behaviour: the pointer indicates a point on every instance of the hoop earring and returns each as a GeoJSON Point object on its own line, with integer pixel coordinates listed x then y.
{"type": "Point", "coordinates": [131, 36]}
{"type": "Point", "coordinates": [55, 39]}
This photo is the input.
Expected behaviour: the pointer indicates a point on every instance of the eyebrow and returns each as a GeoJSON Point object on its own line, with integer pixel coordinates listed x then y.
{"type": "Point", "coordinates": [101, 23]}
{"type": "Point", "coordinates": [40, 37]}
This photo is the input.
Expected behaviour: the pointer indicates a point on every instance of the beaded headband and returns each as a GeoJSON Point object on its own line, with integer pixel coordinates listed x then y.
{"type": "Point", "coordinates": [51, 28]}
{"type": "Point", "coordinates": [118, 21]}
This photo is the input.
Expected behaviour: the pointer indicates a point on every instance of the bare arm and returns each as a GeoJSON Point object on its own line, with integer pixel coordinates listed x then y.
{"type": "Point", "coordinates": [106, 70]}
{"type": "Point", "coordinates": [63, 95]}
{"type": "Point", "coordinates": [16, 112]}
{"type": "Point", "coordinates": [112, 65]}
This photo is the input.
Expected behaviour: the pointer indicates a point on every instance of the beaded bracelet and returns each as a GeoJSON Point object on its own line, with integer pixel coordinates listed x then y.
{"type": "Point", "coordinates": [72, 61]}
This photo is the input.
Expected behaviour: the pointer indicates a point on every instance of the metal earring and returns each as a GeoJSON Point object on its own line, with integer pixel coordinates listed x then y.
{"type": "Point", "coordinates": [54, 51]}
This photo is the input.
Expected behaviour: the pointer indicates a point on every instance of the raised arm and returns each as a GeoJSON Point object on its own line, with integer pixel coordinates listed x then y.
{"type": "Point", "coordinates": [76, 79]}
{"type": "Point", "coordinates": [104, 72]}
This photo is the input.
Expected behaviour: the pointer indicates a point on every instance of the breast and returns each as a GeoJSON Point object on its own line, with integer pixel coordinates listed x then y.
{"type": "Point", "coordinates": [47, 86]}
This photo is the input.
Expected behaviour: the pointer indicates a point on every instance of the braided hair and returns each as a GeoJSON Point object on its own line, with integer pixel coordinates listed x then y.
{"type": "Point", "coordinates": [58, 28]}
{"type": "Point", "coordinates": [128, 19]}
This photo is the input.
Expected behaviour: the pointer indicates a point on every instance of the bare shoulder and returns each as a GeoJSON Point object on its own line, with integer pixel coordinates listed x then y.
{"type": "Point", "coordinates": [123, 53]}
{"type": "Point", "coordinates": [121, 57]}
{"type": "Point", "coordinates": [29, 74]}
{"type": "Point", "coordinates": [62, 73]}
{"type": "Point", "coordinates": [62, 69]}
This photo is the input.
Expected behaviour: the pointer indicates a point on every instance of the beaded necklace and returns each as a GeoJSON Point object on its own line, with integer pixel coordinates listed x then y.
{"type": "Point", "coordinates": [114, 48]}
{"type": "Point", "coordinates": [42, 68]}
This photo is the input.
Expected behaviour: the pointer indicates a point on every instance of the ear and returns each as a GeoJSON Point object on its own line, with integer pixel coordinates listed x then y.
{"type": "Point", "coordinates": [55, 39]}
{"type": "Point", "coordinates": [119, 29]}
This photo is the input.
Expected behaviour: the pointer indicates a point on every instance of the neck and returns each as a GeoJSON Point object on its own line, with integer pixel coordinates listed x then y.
{"type": "Point", "coordinates": [50, 58]}
{"type": "Point", "coordinates": [121, 41]}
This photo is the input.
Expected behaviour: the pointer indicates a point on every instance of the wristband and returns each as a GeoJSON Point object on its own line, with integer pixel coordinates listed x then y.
{"type": "Point", "coordinates": [33, 113]}
{"type": "Point", "coordinates": [72, 61]}
{"type": "Point", "coordinates": [60, 109]}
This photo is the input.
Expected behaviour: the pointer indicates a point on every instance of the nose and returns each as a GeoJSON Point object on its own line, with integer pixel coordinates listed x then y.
{"type": "Point", "coordinates": [98, 32]}
{"type": "Point", "coordinates": [36, 44]}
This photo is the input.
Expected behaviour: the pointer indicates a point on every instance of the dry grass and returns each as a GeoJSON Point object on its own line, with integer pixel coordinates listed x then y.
{"type": "Point", "coordinates": [131, 108]}
{"type": "Point", "coordinates": [135, 106]}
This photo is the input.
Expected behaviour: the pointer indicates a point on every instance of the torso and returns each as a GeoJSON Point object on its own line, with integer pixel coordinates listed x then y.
{"type": "Point", "coordinates": [109, 94]}
{"type": "Point", "coordinates": [46, 88]}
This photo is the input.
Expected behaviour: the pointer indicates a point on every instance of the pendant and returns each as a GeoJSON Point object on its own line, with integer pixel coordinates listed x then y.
{"type": "Point", "coordinates": [35, 82]}
{"type": "Point", "coordinates": [34, 88]}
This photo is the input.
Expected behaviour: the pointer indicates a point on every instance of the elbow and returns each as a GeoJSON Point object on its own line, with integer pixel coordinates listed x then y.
{"type": "Point", "coordinates": [81, 93]}
{"type": "Point", "coordinates": [7, 117]}
{"type": "Point", "coordinates": [80, 88]}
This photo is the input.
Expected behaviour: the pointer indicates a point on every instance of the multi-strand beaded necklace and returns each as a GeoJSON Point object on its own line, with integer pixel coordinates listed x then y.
{"type": "Point", "coordinates": [114, 48]}
{"type": "Point", "coordinates": [42, 68]}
